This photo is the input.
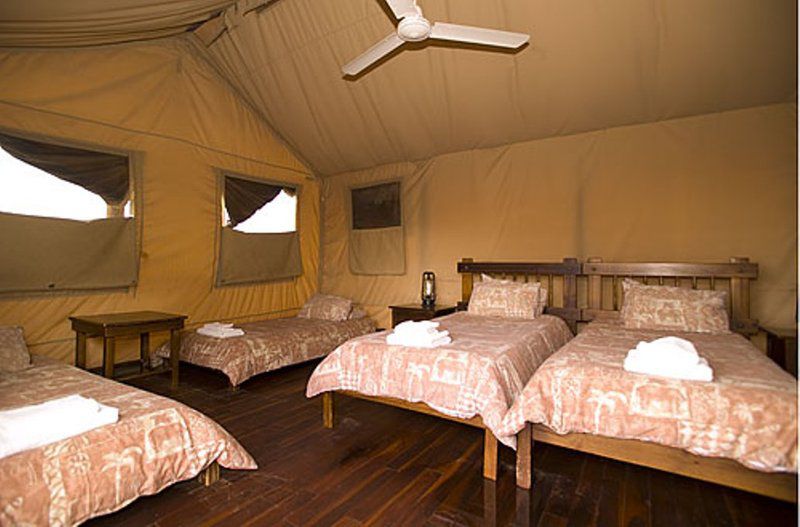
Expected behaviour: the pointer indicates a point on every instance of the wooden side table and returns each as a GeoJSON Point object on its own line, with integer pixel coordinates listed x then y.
{"type": "Point", "coordinates": [141, 323]}
{"type": "Point", "coordinates": [782, 347]}
{"type": "Point", "coordinates": [418, 312]}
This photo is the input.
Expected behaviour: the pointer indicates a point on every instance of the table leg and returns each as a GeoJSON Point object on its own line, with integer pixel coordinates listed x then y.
{"type": "Point", "coordinates": [80, 350]}
{"type": "Point", "coordinates": [174, 354]}
{"type": "Point", "coordinates": [144, 350]}
{"type": "Point", "coordinates": [108, 357]}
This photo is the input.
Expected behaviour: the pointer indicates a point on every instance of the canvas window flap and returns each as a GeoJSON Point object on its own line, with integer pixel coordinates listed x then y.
{"type": "Point", "coordinates": [243, 197]}
{"type": "Point", "coordinates": [106, 175]}
{"type": "Point", "coordinates": [257, 257]}
{"type": "Point", "coordinates": [50, 254]}
{"type": "Point", "coordinates": [378, 251]}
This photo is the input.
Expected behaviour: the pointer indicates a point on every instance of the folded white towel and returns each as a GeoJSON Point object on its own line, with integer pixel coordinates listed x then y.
{"type": "Point", "coordinates": [218, 325]}
{"type": "Point", "coordinates": [410, 327]}
{"type": "Point", "coordinates": [37, 425]}
{"type": "Point", "coordinates": [425, 340]}
{"type": "Point", "coordinates": [669, 357]}
{"type": "Point", "coordinates": [220, 333]}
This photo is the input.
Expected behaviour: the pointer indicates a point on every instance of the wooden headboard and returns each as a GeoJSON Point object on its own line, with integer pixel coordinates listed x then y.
{"type": "Point", "coordinates": [604, 282]}
{"type": "Point", "coordinates": [552, 275]}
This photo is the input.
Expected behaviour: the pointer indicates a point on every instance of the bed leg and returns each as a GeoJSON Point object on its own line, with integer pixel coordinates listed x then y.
{"type": "Point", "coordinates": [489, 455]}
{"type": "Point", "coordinates": [524, 457]}
{"type": "Point", "coordinates": [327, 409]}
{"type": "Point", "coordinates": [210, 475]}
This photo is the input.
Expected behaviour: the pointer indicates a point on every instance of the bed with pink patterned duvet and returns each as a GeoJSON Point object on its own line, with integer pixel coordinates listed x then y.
{"type": "Point", "coordinates": [267, 345]}
{"type": "Point", "coordinates": [748, 413]}
{"type": "Point", "coordinates": [480, 373]}
{"type": "Point", "coordinates": [155, 443]}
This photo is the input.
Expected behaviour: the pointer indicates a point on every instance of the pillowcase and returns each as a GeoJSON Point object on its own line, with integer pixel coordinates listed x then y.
{"type": "Point", "coordinates": [14, 355]}
{"type": "Point", "coordinates": [356, 314]}
{"type": "Point", "coordinates": [541, 302]}
{"type": "Point", "coordinates": [673, 308]}
{"type": "Point", "coordinates": [503, 298]}
{"type": "Point", "coordinates": [326, 307]}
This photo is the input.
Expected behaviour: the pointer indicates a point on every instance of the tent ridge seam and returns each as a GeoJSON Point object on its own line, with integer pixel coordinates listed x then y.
{"type": "Point", "coordinates": [156, 134]}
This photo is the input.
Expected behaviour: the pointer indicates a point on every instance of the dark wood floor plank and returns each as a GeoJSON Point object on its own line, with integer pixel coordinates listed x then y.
{"type": "Point", "coordinates": [386, 466]}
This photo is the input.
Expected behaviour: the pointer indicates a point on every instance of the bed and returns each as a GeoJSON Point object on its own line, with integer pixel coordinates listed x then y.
{"type": "Point", "coordinates": [473, 380]}
{"type": "Point", "coordinates": [155, 443]}
{"type": "Point", "coordinates": [267, 345]}
{"type": "Point", "coordinates": [739, 430]}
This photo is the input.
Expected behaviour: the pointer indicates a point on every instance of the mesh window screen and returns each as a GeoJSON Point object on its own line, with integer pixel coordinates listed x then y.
{"type": "Point", "coordinates": [377, 241]}
{"type": "Point", "coordinates": [377, 207]}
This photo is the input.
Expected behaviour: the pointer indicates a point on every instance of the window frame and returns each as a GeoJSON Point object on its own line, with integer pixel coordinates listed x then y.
{"type": "Point", "coordinates": [359, 186]}
{"type": "Point", "coordinates": [220, 174]}
{"type": "Point", "coordinates": [135, 196]}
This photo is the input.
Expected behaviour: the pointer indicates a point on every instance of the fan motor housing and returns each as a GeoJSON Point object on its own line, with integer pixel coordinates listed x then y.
{"type": "Point", "coordinates": [414, 28]}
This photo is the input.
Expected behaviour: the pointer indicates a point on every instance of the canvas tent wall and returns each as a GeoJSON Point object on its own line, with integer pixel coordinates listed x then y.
{"type": "Point", "coordinates": [695, 189]}
{"type": "Point", "coordinates": [627, 129]}
{"type": "Point", "coordinates": [162, 102]}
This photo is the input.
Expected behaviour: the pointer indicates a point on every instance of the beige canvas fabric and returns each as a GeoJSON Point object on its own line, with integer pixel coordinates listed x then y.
{"type": "Point", "coordinates": [41, 254]}
{"type": "Point", "coordinates": [93, 22]}
{"type": "Point", "coordinates": [539, 154]}
{"type": "Point", "coordinates": [172, 108]}
{"type": "Point", "coordinates": [377, 251]}
{"type": "Point", "coordinates": [695, 189]}
{"type": "Point", "coordinates": [590, 65]}
{"type": "Point", "coordinates": [253, 257]}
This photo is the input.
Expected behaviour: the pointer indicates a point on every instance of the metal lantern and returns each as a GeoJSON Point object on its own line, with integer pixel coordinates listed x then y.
{"type": "Point", "coordinates": [428, 288]}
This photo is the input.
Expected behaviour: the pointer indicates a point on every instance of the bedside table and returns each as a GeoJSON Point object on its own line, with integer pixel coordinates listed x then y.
{"type": "Point", "coordinates": [418, 312]}
{"type": "Point", "coordinates": [782, 347]}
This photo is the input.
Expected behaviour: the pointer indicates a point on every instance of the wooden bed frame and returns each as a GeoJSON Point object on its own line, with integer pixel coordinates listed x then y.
{"type": "Point", "coordinates": [599, 276]}
{"type": "Point", "coordinates": [563, 274]}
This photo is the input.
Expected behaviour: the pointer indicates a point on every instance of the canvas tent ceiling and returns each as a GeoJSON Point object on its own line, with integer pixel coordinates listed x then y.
{"type": "Point", "coordinates": [592, 65]}
{"type": "Point", "coordinates": [94, 22]}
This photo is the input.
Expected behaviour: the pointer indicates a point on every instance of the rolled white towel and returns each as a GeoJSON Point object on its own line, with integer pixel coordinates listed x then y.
{"type": "Point", "coordinates": [668, 357]}
{"type": "Point", "coordinates": [37, 425]}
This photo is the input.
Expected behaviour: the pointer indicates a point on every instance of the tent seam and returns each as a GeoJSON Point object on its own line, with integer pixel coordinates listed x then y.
{"type": "Point", "coordinates": [156, 134]}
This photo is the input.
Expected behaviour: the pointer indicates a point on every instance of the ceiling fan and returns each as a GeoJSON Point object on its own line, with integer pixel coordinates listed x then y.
{"type": "Point", "coordinates": [414, 27]}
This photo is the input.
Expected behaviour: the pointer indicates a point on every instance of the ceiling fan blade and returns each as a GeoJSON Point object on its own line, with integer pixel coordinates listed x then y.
{"type": "Point", "coordinates": [478, 35]}
{"type": "Point", "coordinates": [373, 54]}
{"type": "Point", "coordinates": [402, 8]}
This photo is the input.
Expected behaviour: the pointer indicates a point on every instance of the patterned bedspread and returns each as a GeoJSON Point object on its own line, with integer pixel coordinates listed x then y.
{"type": "Point", "coordinates": [155, 443]}
{"type": "Point", "coordinates": [267, 345]}
{"type": "Point", "coordinates": [480, 373]}
{"type": "Point", "coordinates": [748, 413]}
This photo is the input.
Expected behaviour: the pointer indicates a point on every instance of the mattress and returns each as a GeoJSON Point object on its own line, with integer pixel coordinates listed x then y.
{"type": "Point", "coordinates": [155, 443]}
{"type": "Point", "coordinates": [267, 345]}
{"type": "Point", "coordinates": [748, 413]}
{"type": "Point", "coordinates": [480, 373]}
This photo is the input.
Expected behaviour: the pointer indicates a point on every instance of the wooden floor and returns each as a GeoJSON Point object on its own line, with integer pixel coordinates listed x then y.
{"type": "Point", "coordinates": [385, 466]}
